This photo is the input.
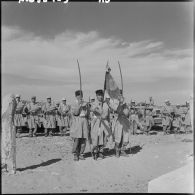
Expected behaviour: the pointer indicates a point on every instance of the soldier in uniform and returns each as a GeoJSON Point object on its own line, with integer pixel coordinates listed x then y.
{"type": "Point", "coordinates": [149, 122]}
{"type": "Point", "coordinates": [99, 124]}
{"type": "Point", "coordinates": [187, 118]}
{"type": "Point", "coordinates": [133, 118]}
{"type": "Point", "coordinates": [177, 119]}
{"type": "Point", "coordinates": [64, 111]}
{"type": "Point", "coordinates": [49, 109]}
{"type": "Point", "coordinates": [32, 110]}
{"type": "Point", "coordinates": [79, 127]}
{"type": "Point", "coordinates": [167, 117]}
{"type": "Point", "coordinates": [18, 117]}
{"type": "Point", "coordinates": [122, 128]}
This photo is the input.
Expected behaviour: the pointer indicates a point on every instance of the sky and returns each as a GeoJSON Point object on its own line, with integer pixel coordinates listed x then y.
{"type": "Point", "coordinates": [153, 42]}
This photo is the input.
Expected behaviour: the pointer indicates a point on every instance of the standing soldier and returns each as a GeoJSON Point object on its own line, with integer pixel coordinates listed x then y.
{"type": "Point", "coordinates": [99, 124]}
{"type": "Point", "coordinates": [49, 110]}
{"type": "Point", "coordinates": [167, 117]}
{"type": "Point", "coordinates": [18, 118]}
{"type": "Point", "coordinates": [133, 121]}
{"type": "Point", "coordinates": [79, 129]}
{"type": "Point", "coordinates": [32, 110]}
{"type": "Point", "coordinates": [64, 110]}
{"type": "Point", "coordinates": [122, 129]}
{"type": "Point", "coordinates": [177, 119]}
{"type": "Point", "coordinates": [149, 122]}
{"type": "Point", "coordinates": [187, 118]}
{"type": "Point", "coordinates": [151, 101]}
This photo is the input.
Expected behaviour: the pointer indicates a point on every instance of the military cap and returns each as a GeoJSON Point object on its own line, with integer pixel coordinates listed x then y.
{"type": "Point", "coordinates": [99, 92]}
{"type": "Point", "coordinates": [48, 97]}
{"type": "Point", "coordinates": [78, 92]}
{"type": "Point", "coordinates": [17, 96]}
{"type": "Point", "coordinates": [33, 97]}
{"type": "Point", "coordinates": [167, 101]}
{"type": "Point", "coordinates": [63, 99]}
{"type": "Point", "coordinates": [187, 102]}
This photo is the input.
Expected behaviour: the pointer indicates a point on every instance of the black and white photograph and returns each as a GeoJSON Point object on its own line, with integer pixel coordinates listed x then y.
{"type": "Point", "coordinates": [97, 97]}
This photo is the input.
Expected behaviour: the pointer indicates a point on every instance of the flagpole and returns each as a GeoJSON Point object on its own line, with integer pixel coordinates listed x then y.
{"type": "Point", "coordinates": [121, 76]}
{"type": "Point", "coordinates": [79, 75]}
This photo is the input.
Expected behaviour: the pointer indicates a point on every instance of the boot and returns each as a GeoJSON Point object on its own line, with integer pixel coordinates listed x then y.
{"type": "Point", "coordinates": [123, 152]}
{"type": "Point", "coordinates": [101, 155]}
{"type": "Point", "coordinates": [117, 150]}
{"type": "Point", "coordinates": [50, 133]}
{"type": "Point", "coordinates": [76, 157]}
{"type": "Point", "coordinates": [30, 133]}
{"type": "Point", "coordinates": [46, 132]}
{"type": "Point", "coordinates": [81, 157]}
{"type": "Point", "coordinates": [95, 156]}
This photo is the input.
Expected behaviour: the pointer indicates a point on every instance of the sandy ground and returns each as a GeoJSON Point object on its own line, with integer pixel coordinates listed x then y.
{"type": "Point", "coordinates": [45, 165]}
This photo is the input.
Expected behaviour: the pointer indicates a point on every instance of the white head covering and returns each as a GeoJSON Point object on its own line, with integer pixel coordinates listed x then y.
{"type": "Point", "coordinates": [17, 95]}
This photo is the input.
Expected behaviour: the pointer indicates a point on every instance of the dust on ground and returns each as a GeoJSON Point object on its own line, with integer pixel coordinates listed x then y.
{"type": "Point", "coordinates": [45, 165]}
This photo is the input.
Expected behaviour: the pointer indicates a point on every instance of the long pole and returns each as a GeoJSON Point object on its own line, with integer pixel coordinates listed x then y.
{"type": "Point", "coordinates": [121, 76]}
{"type": "Point", "coordinates": [81, 90]}
{"type": "Point", "coordinates": [79, 75]}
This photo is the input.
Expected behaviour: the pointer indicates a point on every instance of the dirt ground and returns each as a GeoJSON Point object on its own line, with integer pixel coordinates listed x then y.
{"type": "Point", "coordinates": [45, 165]}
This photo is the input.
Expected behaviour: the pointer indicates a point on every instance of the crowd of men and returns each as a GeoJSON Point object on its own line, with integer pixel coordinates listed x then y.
{"type": "Point", "coordinates": [97, 120]}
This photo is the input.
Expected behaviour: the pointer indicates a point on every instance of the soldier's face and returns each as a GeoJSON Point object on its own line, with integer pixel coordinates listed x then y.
{"type": "Point", "coordinates": [79, 97]}
{"type": "Point", "coordinates": [49, 100]}
{"type": "Point", "coordinates": [18, 99]}
{"type": "Point", "coordinates": [33, 100]}
{"type": "Point", "coordinates": [99, 97]}
{"type": "Point", "coordinates": [64, 101]}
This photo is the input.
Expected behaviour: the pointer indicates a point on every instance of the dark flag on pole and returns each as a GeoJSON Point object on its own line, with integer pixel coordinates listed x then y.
{"type": "Point", "coordinates": [110, 85]}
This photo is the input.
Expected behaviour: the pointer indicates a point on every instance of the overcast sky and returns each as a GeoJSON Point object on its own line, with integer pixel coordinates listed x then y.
{"type": "Point", "coordinates": [152, 41]}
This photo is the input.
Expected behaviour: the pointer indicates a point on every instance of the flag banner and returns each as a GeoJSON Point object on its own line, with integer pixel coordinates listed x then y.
{"type": "Point", "coordinates": [111, 87]}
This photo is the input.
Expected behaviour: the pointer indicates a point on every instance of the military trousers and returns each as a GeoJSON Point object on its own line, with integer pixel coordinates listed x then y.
{"type": "Point", "coordinates": [79, 145]}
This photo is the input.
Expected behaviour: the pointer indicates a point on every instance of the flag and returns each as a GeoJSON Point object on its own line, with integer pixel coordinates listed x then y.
{"type": "Point", "coordinates": [111, 87]}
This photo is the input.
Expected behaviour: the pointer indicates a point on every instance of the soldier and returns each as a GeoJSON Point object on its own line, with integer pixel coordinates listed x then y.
{"type": "Point", "coordinates": [167, 117]}
{"type": "Point", "coordinates": [133, 118]}
{"type": "Point", "coordinates": [64, 111]}
{"type": "Point", "coordinates": [151, 101]}
{"type": "Point", "coordinates": [79, 128]}
{"type": "Point", "coordinates": [176, 123]}
{"type": "Point", "coordinates": [187, 118]}
{"type": "Point", "coordinates": [122, 129]}
{"type": "Point", "coordinates": [58, 117]}
{"type": "Point", "coordinates": [32, 110]}
{"type": "Point", "coordinates": [18, 118]}
{"type": "Point", "coordinates": [149, 122]}
{"type": "Point", "coordinates": [49, 110]}
{"type": "Point", "coordinates": [99, 124]}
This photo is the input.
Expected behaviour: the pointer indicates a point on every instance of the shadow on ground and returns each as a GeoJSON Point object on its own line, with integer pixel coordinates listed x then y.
{"type": "Point", "coordinates": [43, 164]}
{"type": "Point", "coordinates": [111, 152]}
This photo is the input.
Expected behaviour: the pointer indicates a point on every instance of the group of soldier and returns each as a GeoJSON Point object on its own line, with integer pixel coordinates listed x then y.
{"type": "Point", "coordinates": [98, 121]}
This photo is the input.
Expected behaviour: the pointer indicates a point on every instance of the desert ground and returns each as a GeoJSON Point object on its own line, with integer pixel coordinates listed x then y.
{"type": "Point", "coordinates": [45, 165]}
